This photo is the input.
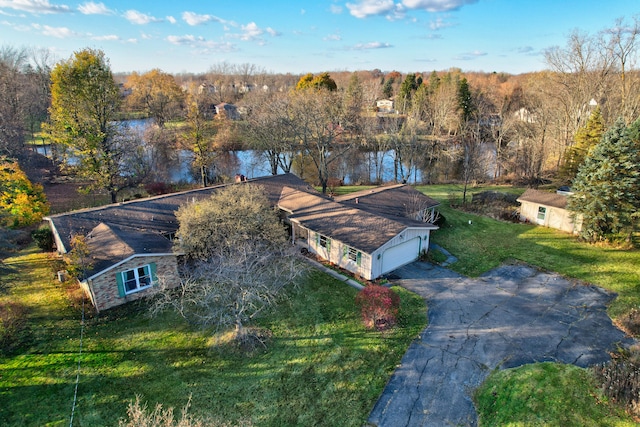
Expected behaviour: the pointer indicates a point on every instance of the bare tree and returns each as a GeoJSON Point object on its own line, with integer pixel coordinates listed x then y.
{"type": "Point", "coordinates": [238, 260]}
{"type": "Point", "coordinates": [316, 115]}
{"type": "Point", "coordinates": [621, 43]}
{"type": "Point", "coordinates": [269, 129]}
{"type": "Point", "coordinates": [580, 73]}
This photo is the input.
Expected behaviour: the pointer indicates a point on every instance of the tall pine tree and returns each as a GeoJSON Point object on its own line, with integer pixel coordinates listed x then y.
{"type": "Point", "coordinates": [607, 187]}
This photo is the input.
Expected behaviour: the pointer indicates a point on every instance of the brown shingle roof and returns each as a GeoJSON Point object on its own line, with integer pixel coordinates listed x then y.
{"type": "Point", "coordinates": [154, 214]}
{"type": "Point", "coordinates": [398, 200]}
{"type": "Point", "coordinates": [355, 227]}
{"type": "Point", "coordinates": [544, 198]}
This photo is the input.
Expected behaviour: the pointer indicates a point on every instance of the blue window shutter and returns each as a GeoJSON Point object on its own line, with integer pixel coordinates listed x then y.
{"type": "Point", "coordinates": [152, 271]}
{"type": "Point", "coordinates": [359, 258]}
{"type": "Point", "coordinates": [120, 283]}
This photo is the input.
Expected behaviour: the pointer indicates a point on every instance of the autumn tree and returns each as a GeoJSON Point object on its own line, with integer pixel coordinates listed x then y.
{"type": "Point", "coordinates": [321, 81]}
{"type": "Point", "coordinates": [156, 93]}
{"type": "Point", "coordinates": [85, 101]}
{"type": "Point", "coordinates": [238, 259]}
{"type": "Point", "coordinates": [606, 199]}
{"type": "Point", "coordinates": [586, 138]}
{"type": "Point", "coordinates": [21, 202]}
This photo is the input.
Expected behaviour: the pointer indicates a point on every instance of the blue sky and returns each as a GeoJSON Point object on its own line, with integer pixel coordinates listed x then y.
{"type": "Point", "coordinates": [303, 36]}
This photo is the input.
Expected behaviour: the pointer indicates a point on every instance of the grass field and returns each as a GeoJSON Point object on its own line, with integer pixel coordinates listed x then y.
{"type": "Point", "coordinates": [322, 368]}
{"type": "Point", "coordinates": [546, 394]}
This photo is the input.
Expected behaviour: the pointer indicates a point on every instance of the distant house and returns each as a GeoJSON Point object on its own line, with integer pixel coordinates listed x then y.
{"type": "Point", "coordinates": [369, 233]}
{"type": "Point", "coordinates": [229, 110]}
{"type": "Point", "coordinates": [547, 209]}
{"type": "Point", "coordinates": [385, 106]}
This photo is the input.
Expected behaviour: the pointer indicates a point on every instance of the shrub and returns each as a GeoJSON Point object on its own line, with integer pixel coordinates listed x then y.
{"type": "Point", "coordinates": [157, 188]}
{"type": "Point", "coordinates": [620, 380]}
{"type": "Point", "coordinates": [43, 238]}
{"type": "Point", "coordinates": [379, 306]}
{"type": "Point", "coordinates": [631, 322]}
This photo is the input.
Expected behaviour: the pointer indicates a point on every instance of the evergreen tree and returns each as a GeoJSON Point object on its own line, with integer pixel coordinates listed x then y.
{"type": "Point", "coordinates": [607, 187]}
{"type": "Point", "coordinates": [387, 89]}
{"type": "Point", "coordinates": [465, 100]}
{"type": "Point", "coordinates": [585, 139]}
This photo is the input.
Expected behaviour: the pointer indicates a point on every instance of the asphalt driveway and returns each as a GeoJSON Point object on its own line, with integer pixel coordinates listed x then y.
{"type": "Point", "coordinates": [509, 317]}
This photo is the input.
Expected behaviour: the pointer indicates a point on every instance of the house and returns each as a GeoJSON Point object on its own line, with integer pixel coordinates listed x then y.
{"type": "Point", "coordinates": [229, 110]}
{"type": "Point", "coordinates": [385, 106]}
{"type": "Point", "coordinates": [368, 242]}
{"type": "Point", "coordinates": [130, 244]}
{"type": "Point", "coordinates": [547, 209]}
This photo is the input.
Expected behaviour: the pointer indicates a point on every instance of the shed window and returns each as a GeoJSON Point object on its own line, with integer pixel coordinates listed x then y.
{"type": "Point", "coordinates": [136, 279]}
{"type": "Point", "coordinates": [542, 212]}
{"type": "Point", "coordinates": [353, 254]}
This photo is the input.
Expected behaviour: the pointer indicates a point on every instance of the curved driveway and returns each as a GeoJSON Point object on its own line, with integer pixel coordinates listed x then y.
{"type": "Point", "coordinates": [511, 316]}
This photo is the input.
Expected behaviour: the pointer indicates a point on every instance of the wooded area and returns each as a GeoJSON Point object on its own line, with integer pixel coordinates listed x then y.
{"type": "Point", "coordinates": [447, 125]}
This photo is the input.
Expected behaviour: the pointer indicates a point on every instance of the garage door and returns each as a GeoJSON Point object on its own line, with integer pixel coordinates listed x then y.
{"type": "Point", "coordinates": [400, 255]}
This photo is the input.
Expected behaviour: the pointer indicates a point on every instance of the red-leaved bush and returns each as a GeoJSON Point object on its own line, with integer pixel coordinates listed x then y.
{"type": "Point", "coordinates": [379, 306]}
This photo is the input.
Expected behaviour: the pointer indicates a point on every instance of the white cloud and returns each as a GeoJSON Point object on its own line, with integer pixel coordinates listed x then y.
{"type": "Point", "coordinates": [145, 36]}
{"type": "Point", "coordinates": [252, 32]}
{"type": "Point", "coordinates": [394, 11]}
{"type": "Point", "coordinates": [171, 19]}
{"type": "Point", "coordinates": [201, 43]}
{"type": "Point", "coordinates": [439, 24]}
{"type": "Point", "coordinates": [140, 18]}
{"type": "Point", "coordinates": [335, 9]}
{"type": "Point", "coordinates": [272, 32]}
{"type": "Point", "coordinates": [333, 37]}
{"type": "Point", "coordinates": [366, 8]}
{"type": "Point", "coordinates": [437, 5]}
{"type": "Point", "coordinates": [34, 6]}
{"type": "Point", "coordinates": [17, 27]}
{"type": "Point", "coordinates": [195, 19]}
{"type": "Point", "coordinates": [91, 8]}
{"type": "Point", "coordinates": [371, 45]}
{"type": "Point", "coordinates": [110, 37]}
{"type": "Point", "coordinates": [57, 32]}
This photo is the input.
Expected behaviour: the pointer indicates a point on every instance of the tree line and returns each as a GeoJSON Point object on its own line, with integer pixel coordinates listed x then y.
{"type": "Point", "coordinates": [451, 125]}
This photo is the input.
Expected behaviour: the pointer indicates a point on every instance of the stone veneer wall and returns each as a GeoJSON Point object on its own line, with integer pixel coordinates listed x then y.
{"type": "Point", "coordinates": [105, 287]}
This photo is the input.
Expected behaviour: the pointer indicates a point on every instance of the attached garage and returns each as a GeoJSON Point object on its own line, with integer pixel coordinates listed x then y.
{"type": "Point", "coordinates": [401, 254]}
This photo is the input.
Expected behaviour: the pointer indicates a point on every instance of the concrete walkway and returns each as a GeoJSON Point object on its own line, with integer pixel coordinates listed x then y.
{"type": "Point", "coordinates": [511, 316]}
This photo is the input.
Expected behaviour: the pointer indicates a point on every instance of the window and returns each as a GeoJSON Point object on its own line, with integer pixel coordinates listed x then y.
{"type": "Point", "coordinates": [542, 212]}
{"type": "Point", "coordinates": [353, 254]}
{"type": "Point", "coordinates": [136, 279]}
{"type": "Point", "coordinates": [323, 242]}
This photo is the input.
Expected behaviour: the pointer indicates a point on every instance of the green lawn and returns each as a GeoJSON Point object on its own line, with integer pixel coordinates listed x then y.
{"type": "Point", "coordinates": [546, 394]}
{"type": "Point", "coordinates": [322, 367]}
